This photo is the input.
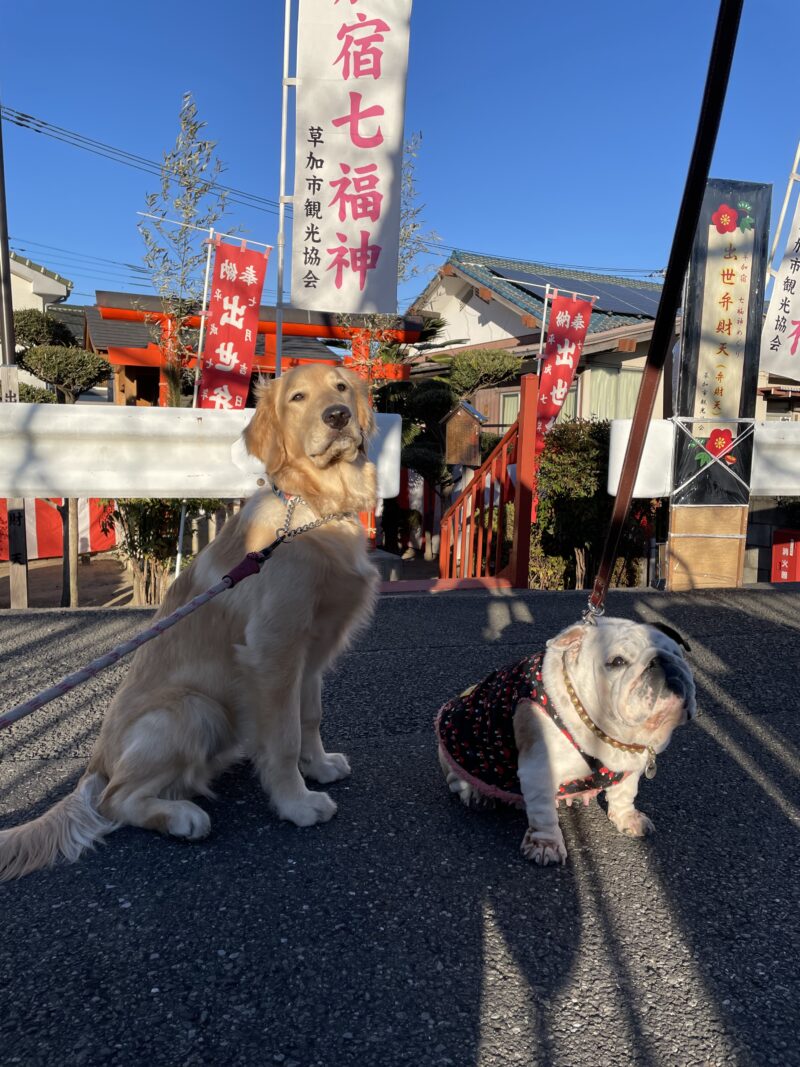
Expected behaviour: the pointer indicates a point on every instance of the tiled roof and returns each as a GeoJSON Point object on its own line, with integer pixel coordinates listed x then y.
{"type": "Point", "coordinates": [72, 316]}
{"type": "Point", "coordinates": [40, 269]}
{"type": "Point", "coordinates": [483, 270]}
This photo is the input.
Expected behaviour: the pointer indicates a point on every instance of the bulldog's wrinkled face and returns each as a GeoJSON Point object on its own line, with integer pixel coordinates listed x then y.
{"type": "Point", "coordinates": [632, 677]}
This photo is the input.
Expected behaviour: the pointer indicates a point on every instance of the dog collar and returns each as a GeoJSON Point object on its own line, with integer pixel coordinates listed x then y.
{"type": "Point", "coordinates": [623, 746]}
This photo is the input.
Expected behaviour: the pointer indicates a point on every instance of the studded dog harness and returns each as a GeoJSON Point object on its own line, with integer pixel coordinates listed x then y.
{"type": "Point", "coordinates": [476, 732]}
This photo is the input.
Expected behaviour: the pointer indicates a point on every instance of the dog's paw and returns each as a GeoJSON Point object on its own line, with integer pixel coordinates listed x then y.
{"type": "Point", "coordinates": [186, 820]}
{"type": "Point", "coordinates": [307, 810]}
{"type": "Point", "coordinates": [331, 767]}
{"type": "Point", "coordinates": [541, 849]}
{"type": "Point", "coordinates": [633, 823]}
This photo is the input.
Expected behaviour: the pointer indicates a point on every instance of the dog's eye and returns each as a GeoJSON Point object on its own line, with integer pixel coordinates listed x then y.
{"type": "Point", "coordinates": [617, 661]}
{"type": "Point", "coordinates": [296, 397]}
{"type": "Point", "coordinates": [342, 387]}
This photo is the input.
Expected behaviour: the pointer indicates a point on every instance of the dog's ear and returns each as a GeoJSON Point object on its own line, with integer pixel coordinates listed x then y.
{"type": "Point", "coordinates": [569, 639]}
{"type": "Point", "coordinates": [263, 436]}
{"type": "Point", "coordinates": [364, 412]}
{"type": "Point", "coordinates": [676, 637]}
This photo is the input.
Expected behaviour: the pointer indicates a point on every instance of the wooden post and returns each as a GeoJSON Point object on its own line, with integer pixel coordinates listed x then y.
{"type": "Point", "coordinates": [526, 482]}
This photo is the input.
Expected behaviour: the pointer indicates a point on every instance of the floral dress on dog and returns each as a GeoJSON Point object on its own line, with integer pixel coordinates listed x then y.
{"type": "Point", "coordinates": [476, 733]}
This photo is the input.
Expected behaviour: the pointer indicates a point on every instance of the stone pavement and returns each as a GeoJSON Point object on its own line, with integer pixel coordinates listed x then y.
{"type": "Point", "coordinates": [408, 930]}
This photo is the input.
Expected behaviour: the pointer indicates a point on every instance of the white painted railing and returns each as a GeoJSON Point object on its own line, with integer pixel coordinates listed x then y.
{"type": "Point", "coordinates": [776, 458]}
{"type": "Point", "coordinates": [89, 450]}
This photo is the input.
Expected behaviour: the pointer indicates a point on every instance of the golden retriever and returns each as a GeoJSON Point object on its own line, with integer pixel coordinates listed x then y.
{"type": "Point", "coordinates": [242, 677]}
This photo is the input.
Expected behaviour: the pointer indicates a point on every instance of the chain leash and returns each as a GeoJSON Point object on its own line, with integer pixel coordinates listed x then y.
{"type": "Point", "coordinates": [285, 533]}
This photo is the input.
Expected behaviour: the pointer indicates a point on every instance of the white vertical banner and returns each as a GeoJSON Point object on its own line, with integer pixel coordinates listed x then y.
{"type": "Point", "coordinates": [780, 338]}
{"type": "Point", "coordinates": [352, 58]}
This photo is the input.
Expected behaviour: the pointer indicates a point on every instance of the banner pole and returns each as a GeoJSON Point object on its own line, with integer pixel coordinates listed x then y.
{"type": "Point", "coordinates": [793, 177]}
{"type": "Point", "coordinates": [200, 341]}
{"type": "Point", "coordinates": [201, 338]}
{"type": "Point", "coordinates": [282, 198]}
{"type": "Point", "coordinates": [542, 333]}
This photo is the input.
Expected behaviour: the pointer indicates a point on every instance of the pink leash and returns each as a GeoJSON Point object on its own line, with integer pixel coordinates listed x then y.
{"type": "Point", "coordinates": [251, 564]}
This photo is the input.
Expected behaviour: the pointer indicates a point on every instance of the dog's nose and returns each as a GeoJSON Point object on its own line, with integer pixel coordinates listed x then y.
{"type": "Point", "coordinates": [337, 416]}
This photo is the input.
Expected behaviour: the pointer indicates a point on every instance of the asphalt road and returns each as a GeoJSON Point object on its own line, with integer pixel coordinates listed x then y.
{"type": "Point", "coordinates": [408, 930]}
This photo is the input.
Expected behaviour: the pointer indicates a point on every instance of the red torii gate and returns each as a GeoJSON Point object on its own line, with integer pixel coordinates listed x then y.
{"type": "Point", "coordinates": [128, 307]}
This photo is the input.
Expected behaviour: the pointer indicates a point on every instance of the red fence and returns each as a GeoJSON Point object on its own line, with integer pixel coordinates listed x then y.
{"type": "Point", "coordinates": [478, 540]}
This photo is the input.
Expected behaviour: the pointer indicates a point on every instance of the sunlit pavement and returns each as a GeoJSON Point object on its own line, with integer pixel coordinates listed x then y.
{"type": "Point", "coordinates": [408, 930]}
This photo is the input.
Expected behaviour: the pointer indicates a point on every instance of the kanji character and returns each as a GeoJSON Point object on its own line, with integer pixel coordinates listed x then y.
{"type": "Point", "coordinates": [564, 354]}
{"type": "Point", "coordinates": [559, 391]}
{"type": "Point", "coordinates": [249, 276]}
{"type": "Point", "coordinates": [221, 397]}
{"type": "Point", "coordinates": [233, 314]}
{"type": "Point", "coordinates": [228, 356]}
{"type": "Point", "coordinates": [563, 319]}
{"type": "Point", "coordinates": [354, 119]}
{"type": "Point", "coordinates": [364, 201]}
{"type": "Point", "coordinates": [228, 270]}
{"type": "Point", "coordinates": [359, 56]}
{"type": "Point", "coordinates": [360, 260]}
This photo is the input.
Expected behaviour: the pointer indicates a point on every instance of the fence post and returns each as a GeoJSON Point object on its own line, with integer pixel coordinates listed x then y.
{"type": "Point", "coordinates": [526, 481]}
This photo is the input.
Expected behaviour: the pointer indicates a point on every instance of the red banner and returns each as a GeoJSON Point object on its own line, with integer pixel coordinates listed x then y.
{"type": "Point", "coordinates": [231, 326]}
{"type": "Point", "coordinates": [569, 321]}
{"type": "Point", "coordinates": [44, 531]}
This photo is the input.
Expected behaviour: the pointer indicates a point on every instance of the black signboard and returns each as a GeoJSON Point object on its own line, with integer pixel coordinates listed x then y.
{"type": "Point", "coordinates": [720, 344]}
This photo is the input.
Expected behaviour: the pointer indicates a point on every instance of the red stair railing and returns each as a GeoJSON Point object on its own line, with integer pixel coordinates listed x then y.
{"type": "Point", "coordinates": [475, 539]}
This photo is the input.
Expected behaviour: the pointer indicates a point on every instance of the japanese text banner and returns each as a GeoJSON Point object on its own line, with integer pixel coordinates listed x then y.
{"type": "Point", "coordinates": [720, 334]}
{"type": "Point", "coordinates": [351, 70]}
{"type": "Point", "coordinates": [569, 321]}
{"type": "Point", "coordinates": [780, 338]}
{"type": "Point", "coordinates": [231, 326]}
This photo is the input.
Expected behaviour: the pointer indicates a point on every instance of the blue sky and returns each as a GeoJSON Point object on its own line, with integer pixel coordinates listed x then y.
{"type": "Point", "coordinates": [556, 133]}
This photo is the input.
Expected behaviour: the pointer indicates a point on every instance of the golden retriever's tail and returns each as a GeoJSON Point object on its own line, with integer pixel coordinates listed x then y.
{"type": "Point", "coordinates": [65, 831]}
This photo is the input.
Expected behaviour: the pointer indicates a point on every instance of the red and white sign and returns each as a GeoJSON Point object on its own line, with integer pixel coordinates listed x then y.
{"type": "Point", "coordinates": [569, 321]}
{"type": "Point", "coordinates": [231, 326]}
{"type": "Point", "coordinates": [351, 84]}
{"type": "Point", "coordinates": [44, 529]}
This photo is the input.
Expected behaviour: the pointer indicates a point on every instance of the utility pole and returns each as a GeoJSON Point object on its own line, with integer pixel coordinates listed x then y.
{"type": "Point", "coordinates": [9, 394]}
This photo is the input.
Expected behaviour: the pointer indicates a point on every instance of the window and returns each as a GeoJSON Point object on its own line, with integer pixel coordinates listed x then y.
{"type": "Point", "coordinates": [569, 409]}
{"type": "Point", "coordinates": [613, 392]}
{"type": "Point", "coordinates": [509, 409]}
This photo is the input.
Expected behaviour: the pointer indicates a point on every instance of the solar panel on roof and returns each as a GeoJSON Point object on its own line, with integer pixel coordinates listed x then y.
{"type": "Point", "coordinates": [611, 297]}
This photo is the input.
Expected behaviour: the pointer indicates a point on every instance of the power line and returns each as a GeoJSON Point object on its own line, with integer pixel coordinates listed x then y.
{"type": "Point", "coordinates": [78, 255]}
{"type": "Point", "coordinates": [129, 159]}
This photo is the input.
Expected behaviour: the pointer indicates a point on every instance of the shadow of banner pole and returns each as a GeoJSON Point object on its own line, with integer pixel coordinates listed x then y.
{"type": "Point", "coordinates": [719, 68]}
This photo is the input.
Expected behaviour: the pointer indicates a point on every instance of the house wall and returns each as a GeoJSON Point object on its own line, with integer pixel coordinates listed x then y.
{"type": "Point", "coordinates": [469, 319]}
{"type": "Point", "coordinates": [23, 296]}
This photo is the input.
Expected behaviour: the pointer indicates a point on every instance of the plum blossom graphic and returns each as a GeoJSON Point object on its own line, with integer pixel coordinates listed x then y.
{"type": "Point", "coordinates": [718, 441]}
{"type": "Point", "coordinates": [716, 444]}
{"type": "Point", "coordinates": [725, 218]}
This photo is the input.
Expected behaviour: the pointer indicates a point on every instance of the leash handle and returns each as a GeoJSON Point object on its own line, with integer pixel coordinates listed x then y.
{"type": "Point", "coordinates": [251, 564]}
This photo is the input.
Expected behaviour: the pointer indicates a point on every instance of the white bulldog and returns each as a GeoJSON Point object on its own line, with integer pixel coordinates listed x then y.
{"type": "Point", "coordinates": [589, 715]}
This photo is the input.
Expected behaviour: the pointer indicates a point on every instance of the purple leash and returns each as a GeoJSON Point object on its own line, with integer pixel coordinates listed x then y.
{"type": "Point", "coordinates": [251, 564]}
